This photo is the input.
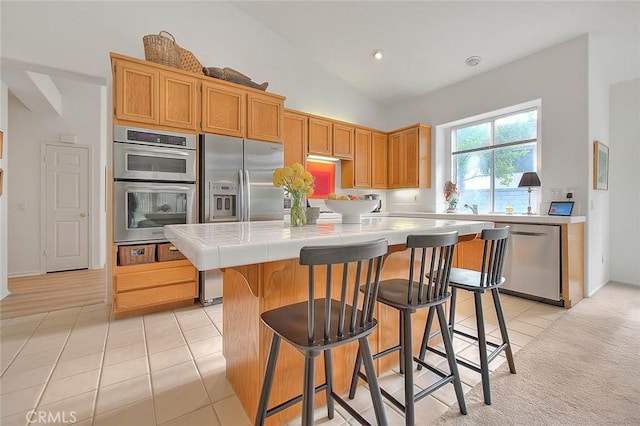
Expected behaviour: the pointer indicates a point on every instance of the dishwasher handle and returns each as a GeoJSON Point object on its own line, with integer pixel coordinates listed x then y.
{"type": "Point", "coordinates": [528, 234]}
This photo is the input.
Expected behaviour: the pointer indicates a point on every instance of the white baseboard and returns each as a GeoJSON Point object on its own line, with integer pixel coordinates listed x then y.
{"type": "Point", "coordinates": [24, 274]}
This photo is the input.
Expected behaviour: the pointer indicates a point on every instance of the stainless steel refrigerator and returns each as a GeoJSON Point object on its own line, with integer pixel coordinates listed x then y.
{"type": "Point", "coordinates": [236, 185]}
{"type": "Point", "coordinates": [237, 180]}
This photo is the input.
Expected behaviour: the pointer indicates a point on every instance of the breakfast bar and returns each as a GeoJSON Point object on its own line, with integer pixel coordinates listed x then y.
{"type": "Point", "coordinates": [261, 272]}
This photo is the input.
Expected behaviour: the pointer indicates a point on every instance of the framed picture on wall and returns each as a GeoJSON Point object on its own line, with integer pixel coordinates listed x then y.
{"type": "Point", "coordinates": [600, 166]}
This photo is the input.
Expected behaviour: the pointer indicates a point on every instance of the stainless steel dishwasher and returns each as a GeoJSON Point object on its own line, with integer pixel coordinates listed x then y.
{"type": "Point", "coordinates": [532, 263]}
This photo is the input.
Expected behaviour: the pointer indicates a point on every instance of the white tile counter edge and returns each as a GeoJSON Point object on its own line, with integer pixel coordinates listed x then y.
{"type": "Point", "coordinates": [497, 217]}
{"type": "Point", "coordinates": [213, 246]}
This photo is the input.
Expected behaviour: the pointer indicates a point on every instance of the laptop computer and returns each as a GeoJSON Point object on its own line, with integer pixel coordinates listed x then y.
{"type": "Point", "coordinates": [560, 208]}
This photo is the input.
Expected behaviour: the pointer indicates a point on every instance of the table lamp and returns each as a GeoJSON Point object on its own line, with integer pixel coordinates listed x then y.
{"type": "Point", "coordinates": [529, 180]}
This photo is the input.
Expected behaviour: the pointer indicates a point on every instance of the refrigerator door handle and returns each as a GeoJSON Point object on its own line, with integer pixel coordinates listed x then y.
{"type": "Point", "coordinates": [247, 183]}
{"type": "Point", "coordinates": [240, 202]}
{"type": "Point", "coordinates": [210, 210]}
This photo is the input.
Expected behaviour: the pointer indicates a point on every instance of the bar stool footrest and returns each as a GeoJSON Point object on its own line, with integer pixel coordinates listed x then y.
{"type": "Point", "coordinates": [290, 402]}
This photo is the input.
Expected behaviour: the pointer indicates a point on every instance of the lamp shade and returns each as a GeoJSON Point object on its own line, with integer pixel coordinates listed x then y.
{"type": "Point", "coordinates": [529, 179]}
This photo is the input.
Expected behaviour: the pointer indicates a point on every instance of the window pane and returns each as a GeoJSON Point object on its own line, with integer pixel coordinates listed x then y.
{"type": "Point", "coordinates": [516, 127]}
{"type": "Point", "coordinates": [472, 137]}
{"type": "Point", "coordinates": [510, 163]}
{"type": "Point", "coordinates": [473, 176]}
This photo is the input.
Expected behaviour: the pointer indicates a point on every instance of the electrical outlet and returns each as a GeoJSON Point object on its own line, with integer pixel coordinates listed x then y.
{"type": "Point", "coordinates": [415, 198]}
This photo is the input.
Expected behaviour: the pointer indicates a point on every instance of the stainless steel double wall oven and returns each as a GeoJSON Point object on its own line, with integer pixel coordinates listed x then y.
{"type": "Point", "coordinates": [155, 182]}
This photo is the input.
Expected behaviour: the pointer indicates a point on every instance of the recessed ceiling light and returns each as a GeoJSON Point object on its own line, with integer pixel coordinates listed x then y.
{"type": "Point", "coordinates": [377, 54]}
{"type": "Point", "coordinates": [472, 61]}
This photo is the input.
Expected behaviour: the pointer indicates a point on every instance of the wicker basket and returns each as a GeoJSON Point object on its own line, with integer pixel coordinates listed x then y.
{"type": "Point", "coordinates": [135, 255]}
{"type": "Point", "coordinates": [168, 252]}
{"type": "Point", "coordinates": [189, 62]}
{"type": "Point", "coordinates": [162, 49]}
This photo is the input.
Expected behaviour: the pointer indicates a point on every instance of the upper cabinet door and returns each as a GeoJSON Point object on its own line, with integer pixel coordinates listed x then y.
{"type": "Point", "coordinates": [178, 100]}
{"type": "Point", "coordinates": [362, 161]}
{"type": "Point", "coordinates": [395, 177]}
{"type": "Point", "coordinates": [343, 141]}
{"type": "Point", "coordinates": [295, 138]}
{"type": "Point", "coordinates": [320, 136]}
{"type": "Point", "coordinates": [223, 110]}
{"type": "Point", "coordinates": [136, 93]}
{"type": "Point", "coordinates": [265, 117]}
{"type": "Point", "coordinates": [378, 160]}
{"type": "Point", "coordinates": [409, 153]}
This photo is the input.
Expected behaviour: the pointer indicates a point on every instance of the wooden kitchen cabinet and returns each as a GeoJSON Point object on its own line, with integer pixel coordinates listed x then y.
{"type": "Point", "coordinates": [265, 117]}
{"type": "Point", "coordinates": [178, 100]}
{"type": "Point", "coordinates": [409, 157]}
{"type": "Point", "coordinates": [320, 136]}
{"type": "Point", "coordinates": [230, 110]}
{"type": "Point", "coordinates": [152, 286]}
{"type": "Point", "coordinates": [356, 173]}
{"type": "Point", "coordinates": [223, 110]}
{"type": "Point", "coordinates": [379, 160]}
{"type": "Point", "coordinates": [295, 137]}
{"type": "Point", "coordinates": [343, 136]}
{"type": "Point", "coordinates": [151, 94]}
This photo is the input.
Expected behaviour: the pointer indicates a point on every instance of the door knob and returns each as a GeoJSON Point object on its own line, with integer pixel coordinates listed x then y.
{"type": "Point", "coordinates": [83, 214]}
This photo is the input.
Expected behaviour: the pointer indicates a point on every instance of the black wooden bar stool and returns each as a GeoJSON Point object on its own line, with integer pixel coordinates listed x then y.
{"type": "Point", "coordinates": [489, 278]}
{"type": "Point", "coordinates": [407, 296]}
{"type": "Point", "coordinates": [317, 326]}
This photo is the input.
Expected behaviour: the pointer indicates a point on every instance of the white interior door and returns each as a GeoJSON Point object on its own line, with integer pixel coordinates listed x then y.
{"type": "Point", "coordinates": [67, 208]}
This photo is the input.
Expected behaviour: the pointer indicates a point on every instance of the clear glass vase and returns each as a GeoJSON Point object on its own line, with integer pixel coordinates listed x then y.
{"type": "Point", "coordinates": [298, 210]}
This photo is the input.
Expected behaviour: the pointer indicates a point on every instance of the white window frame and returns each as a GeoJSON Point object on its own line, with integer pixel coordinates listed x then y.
{"type": "Point", "coordinates": [492, 118]}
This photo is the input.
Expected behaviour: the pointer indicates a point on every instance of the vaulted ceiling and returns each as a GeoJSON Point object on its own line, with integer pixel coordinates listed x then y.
{"type": "Point", "coordinates": [425, 43]}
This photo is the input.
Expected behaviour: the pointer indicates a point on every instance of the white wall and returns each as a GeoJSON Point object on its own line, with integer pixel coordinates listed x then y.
{"type": "Point", "coordinates": [81, 116]}
{"type": "Point", "coordinates": [4, 164]}
{"type": "Point", "coordinates": [624, 177]}
{"type": "Point", "coordinates": [597, 250]}
{"type": "Point", "coordinates": [78, 36]}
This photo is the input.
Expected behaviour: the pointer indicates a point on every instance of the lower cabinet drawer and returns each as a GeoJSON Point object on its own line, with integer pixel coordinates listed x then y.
{"type": "Point", "coordinates": [153, 278]}
{"type": "Point", "coordinates": [156, 296]}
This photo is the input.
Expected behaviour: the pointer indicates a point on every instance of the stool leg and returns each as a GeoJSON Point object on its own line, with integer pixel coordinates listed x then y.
{"type": "Point", "coordinates": [482, 348]}
{"type": "Point", "coordinates": [354, 378]}
{"type": "Point", "coordinates": [503, 329]}
{"type": "Point", "coordinates": [261, 415]}
{"type": "Point", "coordinates": [425, 336]}
{"type": "Point", "coordinates": [374, 388]}
{"type": "Point", "coordinates": [452, 309]}
{"type": "Point", "coordinates": [401, 334]}
{"type": "Point", "coordinates": [328, 377]}
{"type": "Point", "coordinates": [308, 389]}
{"type": "Point", "coordinates": [451, 359]}
{"type": "Point", "coordinates": [409, 403]}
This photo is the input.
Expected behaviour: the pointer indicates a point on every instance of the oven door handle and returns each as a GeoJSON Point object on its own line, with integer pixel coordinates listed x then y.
{"type": "Point", "coordinates": [157, 188]}
{"type": "Point", "coordinates": [151, 152]}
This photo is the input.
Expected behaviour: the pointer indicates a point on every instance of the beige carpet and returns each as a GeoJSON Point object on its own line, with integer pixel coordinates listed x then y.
{"type": "Point", "coordinates": [582, 370]}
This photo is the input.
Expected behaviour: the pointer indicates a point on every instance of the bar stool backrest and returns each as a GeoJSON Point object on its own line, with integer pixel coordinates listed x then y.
{"type": "Point", "coordinates": [369, 255]}
{"type": "Point", "coordinates": [437, 266]}
{"type": "Point", "coordinates": [495, 248]}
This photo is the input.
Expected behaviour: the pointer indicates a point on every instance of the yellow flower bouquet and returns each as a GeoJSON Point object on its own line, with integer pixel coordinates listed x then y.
{"type": "Point", "coordinates": [298, 183]}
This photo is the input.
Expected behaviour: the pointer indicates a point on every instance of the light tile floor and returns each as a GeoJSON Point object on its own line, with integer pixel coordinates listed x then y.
{"type": "Point", "coordinates": [77, 365]}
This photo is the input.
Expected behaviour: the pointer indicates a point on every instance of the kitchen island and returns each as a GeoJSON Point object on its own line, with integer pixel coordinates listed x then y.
{"type": "Point", "coordinates": [261, 272]}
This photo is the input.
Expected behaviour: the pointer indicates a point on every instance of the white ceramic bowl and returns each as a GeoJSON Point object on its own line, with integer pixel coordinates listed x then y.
{"type": "Point", "coordinates": [351, 209]}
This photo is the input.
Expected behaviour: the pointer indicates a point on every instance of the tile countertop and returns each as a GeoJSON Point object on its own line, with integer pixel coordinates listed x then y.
{"type": "Point", "coordinates": [497, 217]}
{"type": "Point", "coordinates": [219, 245]}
